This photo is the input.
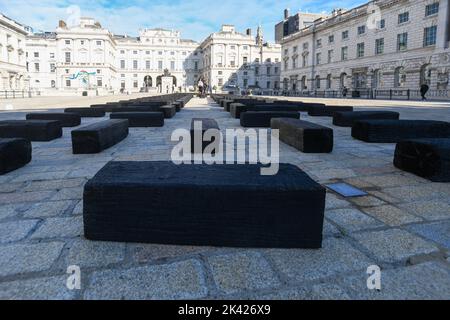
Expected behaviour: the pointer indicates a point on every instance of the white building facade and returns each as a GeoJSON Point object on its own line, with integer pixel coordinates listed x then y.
{"type": "Point", "coordinates": [13, 72]}
{"type": "Point", "coordinates": [238, 61]}
{"type": "Point", "coordinates": [382, 47]}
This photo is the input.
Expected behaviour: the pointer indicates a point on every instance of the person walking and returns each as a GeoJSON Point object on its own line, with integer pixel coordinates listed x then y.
{"type": "Point", "coordinates": [200, 88]}
{"type": "Point", "coordinates": [423, 91]}
{"type": "Point", "coordinates": [344, 92]}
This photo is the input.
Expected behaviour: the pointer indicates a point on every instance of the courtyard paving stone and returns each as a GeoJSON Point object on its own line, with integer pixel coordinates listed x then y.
{"type": "Point", "coordinates": [394, 245]}
{"type": "Point", "coordinates": [242, 271]}
{"type": "Point", "coordinates": [143, 253]}
{"type": "Point", "coordinates": [60, 227]}
{"type": "Point", "coordinates": [180, 280]}
{"type": "Point", "coordinates": [439, 232]}
{"type": "Point", "coordinates": [16, 230]}
{"type": "Point", "coordinates": [352, 220]}
{"type": "Point", "coordinates": [391, 215]}
{"type": "Point", "coordinates": [85, 253]}
{"type": "Point", "coordinates": [48, 209]}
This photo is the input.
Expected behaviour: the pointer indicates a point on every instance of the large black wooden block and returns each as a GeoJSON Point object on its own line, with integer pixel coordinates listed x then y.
{"type": "Point", "coordinates": [66, 119]}
{"type": "Point", "coordinates": [14, 154]}
{"type": "Point", "coordinates": [236, 109]}
{"type": "Point", "coordinates": [33, 130]}
{"type": "Point", "coordinates": [99, 136]}
{"type": "Point", "coordinates": [141, 119]}
{"type": "Point", "coordinates": [214, 205]}
{"type": "Point", "coordinates": [169, 111]}
{"type": "Point", "coordinates": [206, 124]}
{"type": "Point", "coordinates": [262, 119]}
{"type": "Point", "coordinates": [348, 118]}
{"type": "Point", "coordinates": [135, 108]}
{"type": "Point", "coordinates": [87, 112]}
{"type": "Point", "coordinates": [108, 107]}
{"type": "Point", "coordinates": [305, 136]}
{"type": "Point", "coordinates": [427, 158]}
{"type": "Point", "coordinates": [392, 131]}
{"type": "Point", "coordinates": [328, 111]}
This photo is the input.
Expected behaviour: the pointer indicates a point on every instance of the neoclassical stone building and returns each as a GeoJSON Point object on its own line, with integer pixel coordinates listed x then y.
{"type": "Point", "coordinates": [234, 60]}
{"type": "Point", "coordinates": [13, 72]}
{"type": "Point", "coordinates": [379, 46]}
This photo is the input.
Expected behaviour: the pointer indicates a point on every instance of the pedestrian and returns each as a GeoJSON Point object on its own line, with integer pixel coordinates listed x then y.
{"type": "Point", "coordinates": [200, 88]}
{"type": "Point", "coordinates": [344, 92]}
{"type": "Point", "coordinates": [423, 91]}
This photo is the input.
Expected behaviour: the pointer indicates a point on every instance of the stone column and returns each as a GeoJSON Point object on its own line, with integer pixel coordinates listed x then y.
{"type": "Point", "coordinates": [443, 33]}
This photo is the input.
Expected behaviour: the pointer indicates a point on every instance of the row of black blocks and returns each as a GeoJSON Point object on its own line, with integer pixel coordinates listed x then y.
{"type": "Point", "coordinates": [14, 154]}
{"type": "Point", "coordinates": [133, 202]}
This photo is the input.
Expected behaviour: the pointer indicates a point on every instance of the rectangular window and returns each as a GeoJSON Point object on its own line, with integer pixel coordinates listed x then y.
{"type": "Point", "coordinates": [196, 65]}
{"type": "Point", "coordinates": [52, 56]}
{"type": "Point", "coordinates": [381, 24]}
{"type": "Point", "coordinates": [99, 43]}
{"type": "Point", "coordinates": [403, 17]}
{"type": "Point", "coordinates": [122, 84]}
{"type": "Point", "coordinates": [135, 84]}
{"type": "Point", "coordinates": [360, 48]}
{"type": "Point", "coordinates": [245, 60]}
{"type": "Point", "coordinates": [220, 82]}
{"type": "Point", "coordinates": [345, 35]}
{"type": "Point", "coordinates": [429, 37]}
{"type": "Point", "coordinates": [67, 41]}
{"type": "Point", "coordinates": [319, 58]}
{"type": "Point", "coordinates": [68, 57]}
{"type": "Point", "coordinates": [99, 83]}
{"type": "Point", "coordinates": [379, 46]}
{"type": "Point", "coordinates": [68, 83]}
{"type": "Point", "coordinates": [276, 70]}
{"type": "Point", "coordinates": [330, 56]}
{"type": "Point", "coordinates": [402, 41]}
{"type": "Point", "coordinates": [269, 70]}
{"type": "Point", "coordinates": [331, 39]}
{"type": "Point", "coordinates": [52, 67]}
{"type": "Point", "coordinates": [268, 85]}
{"type": "Point", "coordinates": [344, 53]}
{"type": "Point", "coordinates": [147, 65]}
{"type": "Point", "coordinates": [36, 67]}
{"type": "Point", "coordinates": [361, 30]}
{"type": "Point", "coordinates": [160, 65]}
{"type": "Point", "coordinates": [256, 71]}
{"type": "Point", "coordinates": [122, 64]}
{"type": "Point", "coordinates": [172, 65]}
{"type": "Point", "coordinates": [135, 64]}
{"type": "Point", "coordinates": [36, 54]}
{"type": "Point", "coordinates": [319, 43]}
{"type": "Point", "coordinates": [432, 9]}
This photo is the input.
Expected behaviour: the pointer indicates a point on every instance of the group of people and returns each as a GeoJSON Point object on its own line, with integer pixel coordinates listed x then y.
{"type": "Point", "coordinates": [202, 88]}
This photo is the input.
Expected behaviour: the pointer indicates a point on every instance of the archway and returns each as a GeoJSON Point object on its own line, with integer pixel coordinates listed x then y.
{"type": "Point", "coordinates": [399, 77]}
{"type": "Point", "coordinates": [148, 82]}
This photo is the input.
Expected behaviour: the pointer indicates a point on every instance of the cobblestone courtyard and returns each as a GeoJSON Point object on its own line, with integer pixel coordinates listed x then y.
{"type": "Point", "coordinates": [403, 226]}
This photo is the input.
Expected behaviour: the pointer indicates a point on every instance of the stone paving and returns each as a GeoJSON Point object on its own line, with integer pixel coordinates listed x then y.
{"type": "Point", "coordinates": [403, 226]}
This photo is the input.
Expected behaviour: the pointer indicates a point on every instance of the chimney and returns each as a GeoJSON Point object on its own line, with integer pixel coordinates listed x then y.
{"type": "Point", "coordinates": [249, 32]}
{"type": "Point", "coordinates": [286, 14]}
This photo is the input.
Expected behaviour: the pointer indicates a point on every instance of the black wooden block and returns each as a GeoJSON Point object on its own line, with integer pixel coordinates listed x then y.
{"type": "Point", "coordinates": [305, 136]}
{"type": "Point", "coordinates": [87, 112]}
{"type": "Point", "coordinates": [207, 124]}
{"type": "Point", "coordinates": [427, 158]}
{"type": "Point", "coordinates": [33, 130]}
{"type": "Point", "coordinates": [261, 119]}
{"type": "Point", "coordinates": [66, 119]}
{"type": "Point", "coordinates": [134, 202]}
{"type": "Point", "coordinates": [99, 136]}
{"type": "Point", "coordinates": [328, 111]}
{"type": "Point", "coordinates": [236, 109]}
{"type": "Point", "coordinates": [14, 154]}
{"type": "Point", "coordinates": [392, 131]}
{"type": "Point", "coordinates": [169, 111]}
{"type": "Point", "coordinates": [141, 119]}
{"type": "Point", "coordinates": [177, 105]}
{"type": "Point", "coordinates": [348, 118]}
{"type": "Point", "coordinates": [135, 108]}
{"type": "Point", "coordinates": [108, 107]}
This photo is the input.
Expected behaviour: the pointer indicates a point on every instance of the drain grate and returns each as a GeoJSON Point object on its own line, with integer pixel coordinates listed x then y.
{"type": "Point", "coordinates": [346, 190]}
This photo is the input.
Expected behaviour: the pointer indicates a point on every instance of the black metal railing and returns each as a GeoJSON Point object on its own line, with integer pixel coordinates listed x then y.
{"type": "Point", "coordinates": [17, 94]}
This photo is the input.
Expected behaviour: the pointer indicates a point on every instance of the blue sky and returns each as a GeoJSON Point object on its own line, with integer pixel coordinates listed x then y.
{"type": "Point", "coordinates": [195, 18]}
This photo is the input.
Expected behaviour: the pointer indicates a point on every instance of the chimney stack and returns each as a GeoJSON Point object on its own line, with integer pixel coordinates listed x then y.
{"type": "Point", "coordinates": [286, 14]}
{"type": "Point", "coordinates": [249, 32]}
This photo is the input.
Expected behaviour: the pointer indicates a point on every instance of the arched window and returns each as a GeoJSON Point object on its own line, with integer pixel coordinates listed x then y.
{"type": "Point", "coordinates": [399, 77]}
{"type": "Point", "coordinates": [329, 81]}
{"type": "Point", "coordinates": [376, 80]}
{"type": "Point", "coordinates": [53, 83]}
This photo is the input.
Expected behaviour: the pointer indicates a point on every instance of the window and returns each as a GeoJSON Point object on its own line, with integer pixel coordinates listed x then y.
{"type": "Point", "coordinates": [319, 43]}
{"type": "Point", "coordinates": [403, 17]}
{"type": "Point", "coordinates": [330, 56]}
{"type": "Point", "coordinates": [268, 85]}
{"type": "Point", "coordinates": [331, 39]}
{"type": "Point", "coordinates": [221, 73]}
{"type": "Point", "coordinates": [67, 41]}
{"type": "Point", "coordinates": [135, 84]}
{"type": "Point", "coordinates": [318, 58]}
{"type": "Point", "coordinates": [220, 82]}
{"type": "Point", "coordinates": [122, 84]}
{"type": "Point", "coordinates": [147, 52]}
{"type": "Point", "coordinates": [147, 65]}
{"type": "Point", "coordinates": [99, 83]}
{"type": "Point", "coordinates": [68, 83]}
{"type": "Point", "coordinates": [344, 53]}
{"type": "Point", "coordinates": [295, 49]}
{"type": "Point", "coordinates": [286, 52]}
{"type": "Point", "coordinates": [429, 37]}
{"type": "Point", "coordinates": [52, 56]}
{"type": "Point", "coordinates": [52, 67]}
{"type": "Point", "coordinates": [305, 46]}
{"type": "Point", "coordinates": [99, 71]}
{"type": "Point", "coordinates": [245, 83]}
{"type": "Point", "coordinates": [36, 54]}
{"type": "Point", "coordinates": [432, 9]}
{"type": "Point", "coordinates": [269, 70]}
{"type": "Point", "coordinates": [196, 65]}
{"type": "Point", "coordinates": [245, 47]}
{"type": "Point", "coordinates": [135, 64]}
{"type": "Point", "coordinates": [294, 62]}
{"type": "Point", "coordinates": [245, 60]}
{"type": "Point", "coordinates": [329, 81]}
{"type": "Point", "coordinates": [99, 43]}
{"type": "Point", "coordinates": [318, 82]}
{"type": "Point", "coordinates": [276, 70]}
{"type": "Point", "coordinates": [68, 57]}
{"type": "Point", "coordinates": [160, 53]}
{"type": "Point", "coordinates": [233, 47]}
{"type": "Point", "coordinates": [256, 71]}
{"type": "Point", "coordinates": [379, 46]}
{"type": "Point", "coordinates": [402, 41]}
{"type": "Point", "coordinates": [345, 35]}
{"type": "Point", "coordinates": [381, 24]}
{"type": "Point", "coordinates": [135, 52]}
{"type": "Point", "coordinates": [53, 83]}
{"type": "Point", "coordinates": [122, 51]}
{"type": "Point", "coordinates": [360, 48]}
{"type": "Point", "coordinates": [36, 67]}
{"type": "Point", "coordinates": [122, 64]}
{"type": "Point", "coordinates": [172, 65]}
{"type": "Point", "coordinates": [305, 60]}
{"type": "Point", "coordinates": [160, 65]}
{"type": "Point", "coordinates": [286, 64]}
{"type": "Point", "coordinates": [361, 30]}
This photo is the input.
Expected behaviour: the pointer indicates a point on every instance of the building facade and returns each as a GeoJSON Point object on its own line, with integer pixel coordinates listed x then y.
{"type": "Point", "coordinates": [13, 72]}
{"type": "Point", "coordinates": [382, 45]}
{"type": "Point", "coordinates": [234, 61]}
